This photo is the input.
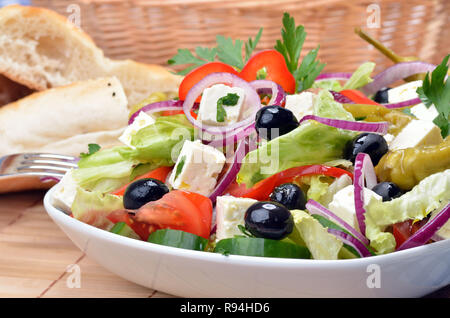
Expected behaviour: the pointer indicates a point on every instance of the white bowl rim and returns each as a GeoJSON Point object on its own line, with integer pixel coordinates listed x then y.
{"type": "Point", "coordinates": [69, 221]}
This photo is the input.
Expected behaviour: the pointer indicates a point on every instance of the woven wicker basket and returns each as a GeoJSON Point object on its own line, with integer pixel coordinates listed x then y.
{"type": "Point", "coordinates": [151, 31]}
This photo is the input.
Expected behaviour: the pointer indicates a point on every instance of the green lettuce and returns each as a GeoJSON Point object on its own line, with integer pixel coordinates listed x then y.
{"type": "Point", "coordinates": [416, 204]}
{"type": "Point", "coordinates": [360, 77]}
{"type": "Point", "coordinates": [92, 207]}
{"type": "Point", "coordinates": [330, 85]}
{"type": "Point", "coordinates": [161, 142]}
{"type": "Point", "coordinates": [310, 143]}
{"type": "Point", "coordinates": [308, 231]}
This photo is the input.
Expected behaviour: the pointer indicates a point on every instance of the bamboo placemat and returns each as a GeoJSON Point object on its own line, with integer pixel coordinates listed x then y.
{"type": "Point", "coordinates": [35, 254]}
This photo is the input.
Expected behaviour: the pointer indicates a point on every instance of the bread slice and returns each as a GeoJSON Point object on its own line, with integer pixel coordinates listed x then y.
{"type": "Point", "coordinates": [42, 49]}
{"type": "Point", "coordinates": [65, 119]}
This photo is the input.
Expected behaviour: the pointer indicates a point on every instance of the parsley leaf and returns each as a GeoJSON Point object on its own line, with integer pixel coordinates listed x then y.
{"type": "Point", "coordinates": [180, 166]}
{"type": "Point", "coordinates": [435, 91]}
{"type": "Point", "coordinates": [92, 148]}
{"type": "Point", "coordinates": [227, 100]}
{"type": "Point", "coordinates": [226, 51]}
{"type": "Point", "coordinates": [291, 46]}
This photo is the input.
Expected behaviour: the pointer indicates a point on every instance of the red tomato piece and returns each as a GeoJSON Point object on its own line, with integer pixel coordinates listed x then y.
{"type": "Point", "coordinates": [275, 67]}
{"type": "Point", "coordinates": [199, 73]}
{"type": "Point", "coordinates": [179, 210]}
{"type": "Point", "coordinates": [160, 174]}
{"type": "Point", "coordinates": [358, 97]}
{"type": "Point", "coordinates": [143, 230]}
{"type": "Point", "coordinates": [262, 189]}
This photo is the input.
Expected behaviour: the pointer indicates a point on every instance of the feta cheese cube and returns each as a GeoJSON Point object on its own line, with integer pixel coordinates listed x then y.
{"type": "Point", "coordinates": [300, 104]}
{"type": "Point", "coordinates": [417, 133]}
{"type": "Point", "coordinates": [343, 204]}
{"type": "Point", "coordinates": [65, 192]}
{"type": "Point", "coordinates": [230, 213]}
{"type": "Point", "coordinates": [207, 112]}
{"type": "Point", "coordinates": [408, 91]}
{"type": "Point", "coordinates": [197, 168]}
{"type": "Point", "coordinates": [142, 120]}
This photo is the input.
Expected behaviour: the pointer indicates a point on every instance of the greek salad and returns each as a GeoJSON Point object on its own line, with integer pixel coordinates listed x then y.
{"type": "Point", "coordinates": [264, 154]}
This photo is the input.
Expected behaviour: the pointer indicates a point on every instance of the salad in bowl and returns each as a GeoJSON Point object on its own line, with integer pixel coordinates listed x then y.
{"type": "Point", "coordinates": [266, 155]}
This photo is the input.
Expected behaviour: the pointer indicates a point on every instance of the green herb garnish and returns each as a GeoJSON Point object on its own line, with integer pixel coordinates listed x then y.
{"type": "Point", "coordinates": [180, 166]}
{"type": "Point", "coordinates": [230, 99]}
{"type": "Point", "coordinates": [226, 51]}
{"type": "Point", "coordinates": [290, 47]}
{"type": "Point", "coordinates": [92, 148]}
{"type": "Point", "coordinates": [261, 74]}
{"type": "Point", "coordinates": [436, 90]}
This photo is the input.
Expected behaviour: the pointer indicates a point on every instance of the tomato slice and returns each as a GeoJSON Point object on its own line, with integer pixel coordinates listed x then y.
{"type": "Point", "coordinates": [262, 189]}
{"type": "Point", "coordinates": [275, 67]}
{"type": "Point", "coordinates": [358, 97]}
{"type": "Point", "coordinates": [199, 73]}
{"type": "Point", "coordinates": [403, 230]}
{"type": "Point", "coordinates": [160, 174]}
{"type": "Point", "coordinates": [141, 229]}
{"type": "Point", "coordinates": [179, 210]}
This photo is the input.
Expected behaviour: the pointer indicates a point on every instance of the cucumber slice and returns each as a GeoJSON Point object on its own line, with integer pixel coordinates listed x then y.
{"type": "Point", "coordinates": [255, 246]}
{"type": "Point", "coordinates": [180, 239]}
{"type": "Point", "coordinates": [123, 229]}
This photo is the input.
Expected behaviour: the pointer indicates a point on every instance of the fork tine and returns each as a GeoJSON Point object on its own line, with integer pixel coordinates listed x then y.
{"type": "Point", "coordinates": [49, 156]}
{"type": "Point", "coordinates": [42, 168]}
{"type": "Point", "coordinates": [50, 162]}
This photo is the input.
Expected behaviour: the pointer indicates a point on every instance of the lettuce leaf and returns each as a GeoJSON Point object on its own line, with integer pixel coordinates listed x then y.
{"type": "Point", "coordinates": [360, 77]}
{"type": "Point", "coordinates": [308, 231]}
{"type": "Point", "coordinates": [330, 85]}
{"type": "Point", "coordinates": [92, 207]}
{"type": "Point", "coordinates": [310, 143]}
{"type": "Point", "coordinates": [413, 205]}
{"type": "Point", "coordinates": [161, 142]}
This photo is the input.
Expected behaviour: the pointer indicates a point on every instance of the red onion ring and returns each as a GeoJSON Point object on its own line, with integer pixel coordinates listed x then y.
{"type": "Point", "coordinates": [427, 231]}
{"type": "Point", "coordinates": [277, 92]}
{"type": "Point", "coordinates": [241, 150]}
{"type": "Point", "coordinates": [49, 179]}
{"type": "Point", "coordinates": [346, 238]}
{"type": "Point", "coordinates": [316, 208]}
{"type": "Point", "coordinates": [251, 99]}
{"type": "Point", "coordinates": [157, 107]}
{"type": "Point", "coordinates": [378, 127]}
{"type": "Point", "coordinates": [405, 103]}
{"type": "Point", "coordinates": [333, 76]}
{"type": "Point", "coordinates": [395, 73]}
{"type": "Point", "coordinates": [363, 171]}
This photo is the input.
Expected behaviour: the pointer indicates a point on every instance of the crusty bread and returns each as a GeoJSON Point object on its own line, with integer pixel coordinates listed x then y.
{"type": "Point", "coordinates": [65, 119]}
{"type": "Point", "coordinates": [11, 91]}
{"type": "Point", "coordinates": [42, 49]}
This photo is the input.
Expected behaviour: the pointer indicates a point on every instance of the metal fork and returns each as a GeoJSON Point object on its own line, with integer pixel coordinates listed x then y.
{"type": "Point", "coordinates": [36, 164]}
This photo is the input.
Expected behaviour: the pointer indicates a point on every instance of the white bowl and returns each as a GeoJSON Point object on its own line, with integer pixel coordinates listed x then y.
{"type": "Point", "coordinates": [409, 273]}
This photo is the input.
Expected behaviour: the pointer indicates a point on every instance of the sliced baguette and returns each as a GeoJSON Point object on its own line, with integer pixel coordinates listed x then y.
{"type": "Point", "coordinates": [42, 49]}
{"type": "Point", "coordinates": [65, 119]}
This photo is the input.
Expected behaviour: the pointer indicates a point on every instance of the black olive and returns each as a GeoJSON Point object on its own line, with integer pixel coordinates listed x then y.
{"type": "Point", "coordinates": [382, 96]}
{"type": "Point", "coordinates": [387, 190]}
{"type": "Point", "coordinates": [290, 195]}
{"type": "Point", "coordinates": [269, 220]}
{"type": "Point", "coordinates": [274, 121]}
{"type": "Point", "coordinates": [372, 144]}
{"type": "Point", "coordinates": [143, 191]}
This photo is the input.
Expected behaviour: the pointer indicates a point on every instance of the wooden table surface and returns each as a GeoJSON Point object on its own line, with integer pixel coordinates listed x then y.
{"type": "Point", "coordinates": [35, 255]}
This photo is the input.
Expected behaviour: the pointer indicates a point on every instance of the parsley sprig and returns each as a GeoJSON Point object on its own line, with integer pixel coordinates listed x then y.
{"type": "Point", "coordinates": [291, 46]}
{"type": "Point", "coordinates": [227, 100]}
{"type": "Point", "coordinates": [92, 148]}
{"type": "Point", "coordinates": [435, 91]}
{"type": "Point", "coordinates": [228, 51]}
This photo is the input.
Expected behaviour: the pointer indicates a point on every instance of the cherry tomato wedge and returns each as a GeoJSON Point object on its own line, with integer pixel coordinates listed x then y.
{"type": "Point", "coordinates": [275, 67]}
{"type": "Point", "coordinates": [141, 229]}
{"type": "Point", "coordinates": [179, 210]}
{"type": "Point", "coordinates": [160, 174]}
{"type": "Point", "coordinates": [403, 230]}
{"type": "Point", "coordinates": [262, 189]}
{"type": "Point", "coordinates": [358, 97]}
{"type": "Point", "coordinates": [199, 73]}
